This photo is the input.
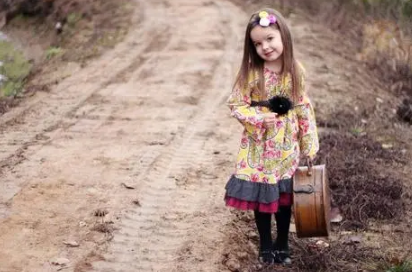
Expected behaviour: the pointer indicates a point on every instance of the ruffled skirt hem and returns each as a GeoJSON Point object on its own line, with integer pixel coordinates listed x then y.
{"type": "Point", "coordinates": [285, 199]}
{"type": "Point", "coordinates": [247, 195]}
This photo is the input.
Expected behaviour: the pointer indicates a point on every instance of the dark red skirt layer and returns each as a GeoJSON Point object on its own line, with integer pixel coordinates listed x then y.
{"type": "Point", "coordinates": [285, 199]}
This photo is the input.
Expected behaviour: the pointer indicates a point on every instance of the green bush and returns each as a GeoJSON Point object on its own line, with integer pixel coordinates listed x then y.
{"type": "Point", "coordinates": [407, 9]}
{"type": "Point", "coordinates": [15, 68]}
{"type": "Point", "coordinates": [397, 9]}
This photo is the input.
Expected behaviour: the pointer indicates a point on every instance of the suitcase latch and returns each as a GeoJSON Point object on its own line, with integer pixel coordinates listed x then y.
{"type": "Point", "coordinates": [304, 189]}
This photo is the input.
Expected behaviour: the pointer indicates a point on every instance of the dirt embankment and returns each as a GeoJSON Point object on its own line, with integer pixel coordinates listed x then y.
{"type": "Point", "coordinates": [46, 10]}
{"type": "Point", "coordinates": [10, 8]}
{"type": "Point", "coordinates": [58, 38]}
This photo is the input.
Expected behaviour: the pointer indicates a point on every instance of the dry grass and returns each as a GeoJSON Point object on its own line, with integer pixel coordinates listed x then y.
{"type": "Point", "coordinates": [379, 30]}
{"type": "Point", "coordinates": [365, 176]}
{"type": "Point", "coordinates": [359, 188]}
{"type": "Point", "coordinates": [382, 32]}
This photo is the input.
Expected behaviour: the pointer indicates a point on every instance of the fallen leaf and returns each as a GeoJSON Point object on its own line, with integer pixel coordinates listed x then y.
{"type": "Point", "coordinates": [156, 143]}
{"type": "Point", "coordinates": [322, 244]}
{"type": "Point", "coordinates": [353, 239]}
{"type": "Point", "coordinates": [127, 185]}
{"type": "Point", "coordinates": [242, 255]}
{"type": "Point", "coordinates": [292, 228]}
{"type": "Point", "coordinates": [387, 146]}
{"type": "Point", "coordinates": [252, 235]}
{"type": "Point", "coordinates": [208, 176]}
{"type": "Point", "coordinates": [60, 261]}
{"type": "Point", "coordinates": [335, 215]}
{"type": "Point", "coordinates": [71, 243]}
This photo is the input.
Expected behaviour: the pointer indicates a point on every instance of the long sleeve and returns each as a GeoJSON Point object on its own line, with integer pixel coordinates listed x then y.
{"type": "Point", "coordinates": [308, 135]}
{"type": "Point", "coordinates": [252, 121]}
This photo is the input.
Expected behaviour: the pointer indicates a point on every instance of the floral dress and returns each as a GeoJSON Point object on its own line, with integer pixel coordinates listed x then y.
{"type": "Point", "coordinates": [268, 157]}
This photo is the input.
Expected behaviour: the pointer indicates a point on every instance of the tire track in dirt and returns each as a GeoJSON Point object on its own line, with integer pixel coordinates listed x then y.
{"type": "Point", "coordinates": [40, 115]}
{"type": "Point", "coordinates": [177, 186]}
{"type": "Point", "coordinates": [146, 115]}
{"type": "Point", "coordinates": [45, 123]}
{"type": "Point", "coordinates": [31, 125]}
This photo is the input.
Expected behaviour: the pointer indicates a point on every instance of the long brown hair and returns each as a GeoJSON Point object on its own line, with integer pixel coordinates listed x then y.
{"type": "Point", "coordinates": [251, 61]}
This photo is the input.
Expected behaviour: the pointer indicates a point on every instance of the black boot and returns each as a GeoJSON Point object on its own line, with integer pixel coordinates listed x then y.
{"type": "Point", "coordinates": [281, 246]}
{"type": "Point", "coordinates": [263, 224]}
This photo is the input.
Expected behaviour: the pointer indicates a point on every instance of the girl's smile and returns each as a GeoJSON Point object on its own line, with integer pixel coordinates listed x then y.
{"type": "Point", "coordinates": [268, 54]}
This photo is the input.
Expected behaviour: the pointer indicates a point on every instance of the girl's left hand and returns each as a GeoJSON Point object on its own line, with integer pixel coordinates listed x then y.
{"type": "Point", "coordinates": [269, 119]}
{"type": "Point", "coordinates": [307, 160]}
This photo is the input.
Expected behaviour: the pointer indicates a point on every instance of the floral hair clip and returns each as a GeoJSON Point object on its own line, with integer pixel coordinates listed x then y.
{"type": "Point", "coordinates": [266, 19]}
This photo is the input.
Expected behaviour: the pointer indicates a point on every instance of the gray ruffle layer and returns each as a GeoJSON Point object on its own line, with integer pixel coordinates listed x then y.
{"type": "Point", "coordinates": [257, 191]}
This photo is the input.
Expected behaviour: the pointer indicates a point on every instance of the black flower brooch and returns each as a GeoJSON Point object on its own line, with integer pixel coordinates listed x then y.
{"type": "Point", "coordinates": [278, 104]}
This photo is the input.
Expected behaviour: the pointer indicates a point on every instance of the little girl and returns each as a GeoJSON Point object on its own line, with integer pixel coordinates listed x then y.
{"type": "Point", "coordinates": [270, 101]}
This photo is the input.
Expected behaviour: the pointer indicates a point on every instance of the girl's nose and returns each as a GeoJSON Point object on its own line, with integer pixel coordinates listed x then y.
{"type": "Point", "coordinates": [265, 46]}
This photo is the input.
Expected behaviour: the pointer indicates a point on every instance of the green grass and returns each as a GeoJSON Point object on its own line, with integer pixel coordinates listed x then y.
{"type": "Point", "coordinates": [73, 18]}
{"type": "Point", "coordinates": [14, 67]}
{"type": "Point", "coordinates": [357, 131]}
{"type": "Point", "coordinates": [403, 267]}
{"type": "Point", "coordinates": [53, 51]}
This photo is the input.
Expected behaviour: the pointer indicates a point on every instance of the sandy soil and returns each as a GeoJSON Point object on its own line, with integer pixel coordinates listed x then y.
{"type": "Point", "coordinates": [128, 157]}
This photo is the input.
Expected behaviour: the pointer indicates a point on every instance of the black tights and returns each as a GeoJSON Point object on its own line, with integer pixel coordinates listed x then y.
{"type": "Point", "coordinates": [263, 224]}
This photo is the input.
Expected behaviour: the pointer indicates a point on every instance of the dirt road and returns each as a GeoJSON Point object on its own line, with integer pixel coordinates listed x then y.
{"type": "Point", "coordinates": [128, 157]}
{"type": "Point", "coordinates": [148, 115]}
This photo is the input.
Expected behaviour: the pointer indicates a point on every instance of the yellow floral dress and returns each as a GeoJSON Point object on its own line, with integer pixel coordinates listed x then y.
{"type": "Point", "coordinates": [268, 157]}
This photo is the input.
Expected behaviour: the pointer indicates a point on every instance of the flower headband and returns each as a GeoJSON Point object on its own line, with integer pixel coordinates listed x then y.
{"type": "Point", "coordinates": [266, 19]}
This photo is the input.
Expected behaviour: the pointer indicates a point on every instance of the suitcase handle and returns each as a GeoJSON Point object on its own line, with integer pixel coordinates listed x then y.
{"type": "Point", "coordinates": [310, 166]}
{"type": "Point", "coordinates": [304, 189]}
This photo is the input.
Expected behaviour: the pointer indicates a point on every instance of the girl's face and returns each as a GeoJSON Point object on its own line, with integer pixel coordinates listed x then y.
{"type": "Point", "coordinates": [268, 43]}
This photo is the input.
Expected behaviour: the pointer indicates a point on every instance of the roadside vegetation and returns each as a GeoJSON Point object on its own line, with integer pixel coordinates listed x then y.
{"type": "Point", "coordinates": [14, 69]}
{"type": "Point", "coordinates": [69, 34]}
{"type": "Point", "coordinates": [381, 32]}
{"type": "Point", "coordinates": [365, 150]}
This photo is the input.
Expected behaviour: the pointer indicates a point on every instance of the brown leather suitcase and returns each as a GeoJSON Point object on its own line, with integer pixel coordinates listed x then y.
{"type": "Point", "coordinates": [311, 201]}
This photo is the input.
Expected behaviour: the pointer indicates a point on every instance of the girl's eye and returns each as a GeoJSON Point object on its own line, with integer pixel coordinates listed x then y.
{"type": "Point", "coordinates": [270, 38]}
{"type": "Point", "coordinates": [257, 44]}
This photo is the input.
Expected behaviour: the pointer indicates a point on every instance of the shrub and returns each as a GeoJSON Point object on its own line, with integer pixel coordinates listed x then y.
{"type": "Point", "coordinates": [14, 69]}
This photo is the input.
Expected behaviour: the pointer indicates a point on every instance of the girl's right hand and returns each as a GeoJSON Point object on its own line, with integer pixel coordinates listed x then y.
{"type": "Point", "coordinates": [269, 119]}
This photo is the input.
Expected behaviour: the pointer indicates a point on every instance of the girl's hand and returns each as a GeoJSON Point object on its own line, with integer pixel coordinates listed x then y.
{"type": "Point", "coordinates": [269, 119]}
